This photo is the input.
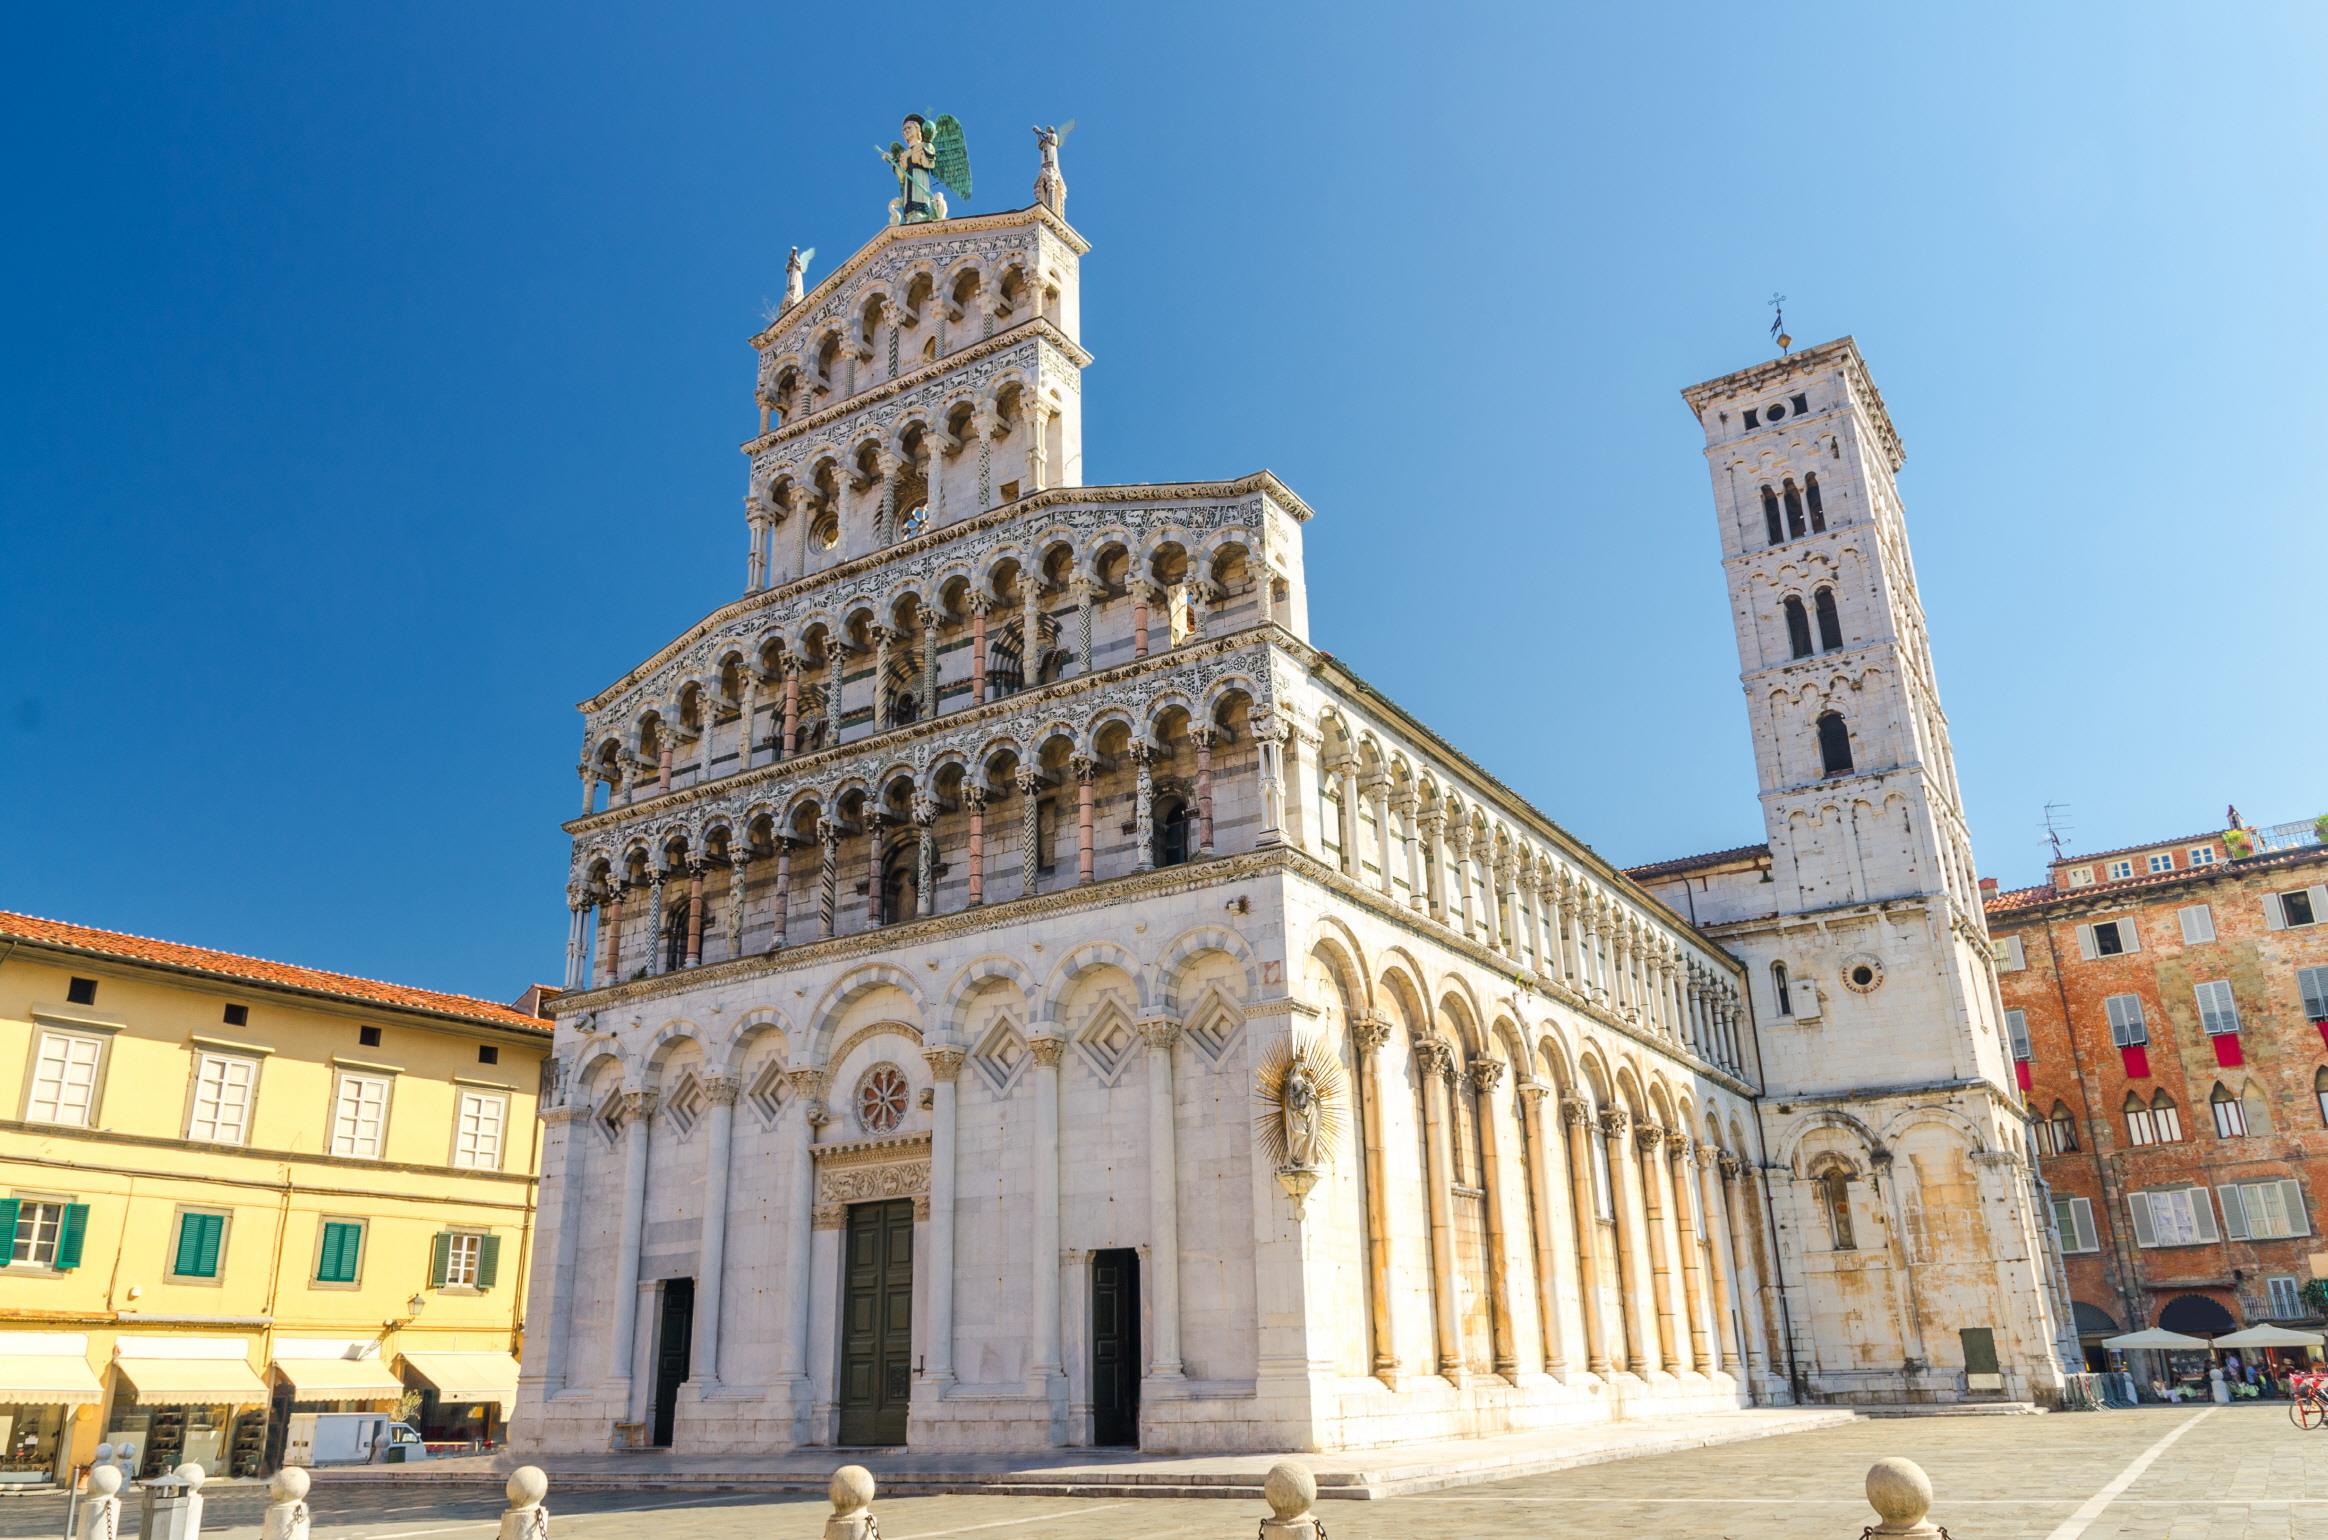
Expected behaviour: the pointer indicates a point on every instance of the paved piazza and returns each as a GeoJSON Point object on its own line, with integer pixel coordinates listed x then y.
{"type": "Point", "coordinates": [2232, 1474]}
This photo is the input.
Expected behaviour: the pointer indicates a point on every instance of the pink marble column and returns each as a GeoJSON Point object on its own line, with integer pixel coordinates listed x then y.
{"type": "Point", "coordinates": [694, 914]}
{"type": "Point", "coordinates": [791, 726]}
{"type": "Point", "coordinates": [974, 798]}
{"type": "Point", "coordinates": [978, 609]}
{"type": "Point", "coordinates": [1085, 774]}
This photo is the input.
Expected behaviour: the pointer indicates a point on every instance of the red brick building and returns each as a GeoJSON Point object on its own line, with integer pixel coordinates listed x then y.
{"type": "Point", "coordinates": [2168, 1009]}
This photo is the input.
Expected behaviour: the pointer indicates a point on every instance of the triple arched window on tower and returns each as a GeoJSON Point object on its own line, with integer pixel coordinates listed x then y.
{"type": "Point", "coordinates": [1834, 745]}
{"type": "Point", "coordinates": [1790, 511]}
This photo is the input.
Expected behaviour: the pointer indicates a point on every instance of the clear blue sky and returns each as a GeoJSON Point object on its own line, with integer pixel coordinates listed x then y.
{"type": "Point", "coordinates": [374, 376]}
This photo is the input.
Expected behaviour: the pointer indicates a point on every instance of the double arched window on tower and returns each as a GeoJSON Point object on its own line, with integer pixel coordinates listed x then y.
{"type": "Point", "coordinates": [1798, 623]}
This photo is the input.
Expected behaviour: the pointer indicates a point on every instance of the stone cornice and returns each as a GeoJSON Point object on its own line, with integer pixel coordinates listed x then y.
{"type": "Point", "coordinates": [1842, 354]}
{"type": "Point", "coordinates": [1163, 881]}
{"type": "Point", "coordinates": [1342, 886]}
{"type": "Point", "coordinates": [906, 235]}
{"type": "Point", "coordinates": [890, 743]}
{"type": "Point", "coordinates": [1263, 483]}
{"type": "Point", "coordinates": [1038, 327]}
{"type": "Point", "coordinates": [872, 1152]}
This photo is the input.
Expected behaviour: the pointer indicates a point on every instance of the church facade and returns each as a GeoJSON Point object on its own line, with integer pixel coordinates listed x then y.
{"type": "Point", "coordinates": [945, 910]}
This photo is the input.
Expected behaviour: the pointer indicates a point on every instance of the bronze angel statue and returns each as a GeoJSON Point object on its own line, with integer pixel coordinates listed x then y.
{"type": "Point", "coordinates": [932, 155]}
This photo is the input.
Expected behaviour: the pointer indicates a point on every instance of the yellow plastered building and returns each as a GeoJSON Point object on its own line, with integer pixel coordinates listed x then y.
{"type": "Point", "coordinates": [233, 1191]}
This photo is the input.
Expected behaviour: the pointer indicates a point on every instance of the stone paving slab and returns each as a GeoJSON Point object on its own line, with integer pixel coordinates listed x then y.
{"type": "Point", "coordinates": [1364, 1473]}
{"type": "Point", "coordinates": [2237, 1473]}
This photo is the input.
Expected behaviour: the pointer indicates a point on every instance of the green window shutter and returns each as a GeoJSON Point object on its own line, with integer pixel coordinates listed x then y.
{"type": "Point", "coordinates": [342, 1250]}
{"type": "Point", "coordinates": [8, 1213]}
{"type": "Point", "coordinates": [188, 1262]}
{"type": "Point", "coordinates": [440, 1251]}
{"type": "Point", "coordinates": [488, 1261]}
{"type": "Point", "coordinates": [213, 1238]}
{"type": "Point", "coordinates": [70, 1235]}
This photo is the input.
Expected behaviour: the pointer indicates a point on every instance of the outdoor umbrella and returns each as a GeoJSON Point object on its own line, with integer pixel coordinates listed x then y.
{"type": "Point", "coordinates": [2154, 1337]}
{"type": "Point", "coordinates": [2269, 1337]}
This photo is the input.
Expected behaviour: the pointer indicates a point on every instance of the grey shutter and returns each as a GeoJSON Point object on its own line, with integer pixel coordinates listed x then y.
{"type": "Point", "coordinates": [2234, 1212]}
{"type": "Point", "coordinates": [2273, 918]}
{"type": "Point", "coordinates": [2319, 896]}
{"type": "Point", "coordinates": [2292, 1193]}
{"type": "Point", "coordinates": [2198, 923]}
{"type": "Point", "coordinates": [2313, 983]}
{"type": "Point", "coordinates": [2129, 939]}
{"type": "Point", "coordinates": [2138, 1205]}
{"type": "Point", "coordinates": [2203, 1214]}
{"type": "Point", "coordinates": [2085, 941]}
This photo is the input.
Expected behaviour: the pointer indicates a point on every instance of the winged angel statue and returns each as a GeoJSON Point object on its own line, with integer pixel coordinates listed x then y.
{"type": "Point", "coordinates": [931, 156]}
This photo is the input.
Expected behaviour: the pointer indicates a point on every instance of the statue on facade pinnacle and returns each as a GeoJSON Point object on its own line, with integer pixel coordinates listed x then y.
{"type": "Point", "coordinates": [1050, 186]}
{"type": "Point", "coordinates": [931, 156]}
{"type": "Point", "coordinates": [796, 275]}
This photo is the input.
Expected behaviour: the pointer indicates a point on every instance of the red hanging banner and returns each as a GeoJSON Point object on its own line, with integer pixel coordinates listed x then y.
{"type": "Point", "coordinates": [2021, 1073]}
{"type": "Point", "coordinates": [2227, 1052]}
{"type": "Point", "coordinates": [2137, 1060]}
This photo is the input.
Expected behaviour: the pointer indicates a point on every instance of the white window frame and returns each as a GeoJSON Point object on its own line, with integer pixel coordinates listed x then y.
{"type": "Point", "coordinates": [70, 1041]}
{"type": "Point", "coordinates": [2167, 1120]}
{"type": "Point", "coordinates": [2121, 870]}
{"type": "Point", "coordinates": [2141, 1127]}
{"type": "Point", "coordinates": [2174, 1216]}
{"type": "Point", "coordinates": [2198, 923]}
{"type": "Point", "coordinates": [2218, 1007]}
{"type": "Point", "coordinates": [2123, 930]}
{"type": "Point", "coordinates": [2230, 1115]}
{"type": "Point", "coordinates": [2285, 1296]}
{"type": "Point", "coordinates": [2202, 855]}
{"type": "Point", "coordinates": [469, 1131]}
{"type": "Point", "coordinates": [464, 1254]}
{"type": "Point", "coordinates": [26, 1204]}
{"type": "Point", "coordinates": [2161, 861]}
{"type": "Point", "coordinates": [2080, 876]}
{"type": "Point", "coordinates": [207, 1130]}
{"type": "Point", "coordinates": [2275, 909]}
{"type": "Point", "coordinates": [2270, 1210]}
{"type": "Point", "coordinates": [345, 1141]}
{"type": "Point", "coordinates": [2074, 1218]}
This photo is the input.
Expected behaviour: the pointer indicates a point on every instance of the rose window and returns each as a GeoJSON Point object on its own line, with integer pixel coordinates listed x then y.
{"type": "Point", "coordinates": [881, 1099]}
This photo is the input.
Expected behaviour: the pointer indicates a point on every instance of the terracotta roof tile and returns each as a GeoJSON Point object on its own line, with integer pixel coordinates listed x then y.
{"type": "Point", "coordinates": [1690, 863]}
{"type": "Point", "coordinates": [2126, 887]}
{"type": "Point", "coordinates": [257, 970]}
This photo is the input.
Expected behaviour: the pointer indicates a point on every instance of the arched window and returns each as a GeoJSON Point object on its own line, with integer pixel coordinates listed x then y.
{"type": "Point", "coordinates": [1005, 675]}
{"type": "Point", "coordinates": [675, 937]}
{"type": "Point", "coordinates": [1834, 745]}
{"type": "Point", "coordinates": [2165, 1118]}
{"type": "Point", "coordinates": [1830, 623]}
{"type": "Point", "coordinates": [2061, 1130]}
{"type": "Point", "coordinates": [1794, 509]}
{"type": "Point", "coordinates": [1835, 1198]}
{"type": "Point", "coordinates": [1798, 626]}
{"type": "Point", "coordinates": [899, 870]}
{"type": "Point", "coordinates": [1770, 516]}
{"type": "Point", "coordinates": [1174, 841]}
{"type": "Point", "coordinates": [2140, 1128]}
{"type": "Point", "coordinates": [2230, 1116]}
{"type": "Point", "coordinates": [1779, 990]}
{"type": "Point", "coordinates": [1818, 508]}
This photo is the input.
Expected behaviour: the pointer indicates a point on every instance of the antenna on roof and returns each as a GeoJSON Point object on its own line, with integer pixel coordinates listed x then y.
{"type": "Point", "coordinates": [2057, 826]}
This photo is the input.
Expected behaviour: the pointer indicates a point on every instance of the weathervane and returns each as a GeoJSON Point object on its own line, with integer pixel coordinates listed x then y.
{"type": "Point", "coordinates": [1778, 321]}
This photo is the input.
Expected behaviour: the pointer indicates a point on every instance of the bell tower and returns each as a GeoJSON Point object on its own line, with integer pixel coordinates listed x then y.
{"type": "Point", "coordinates": [1895, 1133]}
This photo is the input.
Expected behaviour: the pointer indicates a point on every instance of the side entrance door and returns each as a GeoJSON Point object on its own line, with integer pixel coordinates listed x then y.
{"type": "Point", "coordinates": [1115, 1348]}
{"type": "Point", "coordinates": [674, 1353]}
{"type": "Point", "coordinates": [876, 1370]}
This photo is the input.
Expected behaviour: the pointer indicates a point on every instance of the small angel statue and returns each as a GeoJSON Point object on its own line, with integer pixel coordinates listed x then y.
{"type": "Point", "coordinates": [931, 155]}
{"type": "Point", "coordinates": [1050, 186]}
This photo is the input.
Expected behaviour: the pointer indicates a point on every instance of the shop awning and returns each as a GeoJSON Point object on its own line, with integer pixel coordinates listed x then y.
{"type": "Point", "coordinates": [192, 1381]}
{"type": "Point", "coordinates": [2154, 1337]}
{"type": "Point", "coordinates": [2269, 1336]}
{"type": "Point", "coordinates": [469, 1377]}
{"type": "Point", "coordinates": [339, 1379]}
{"type": "Point", "coordinates": [48, 1379]}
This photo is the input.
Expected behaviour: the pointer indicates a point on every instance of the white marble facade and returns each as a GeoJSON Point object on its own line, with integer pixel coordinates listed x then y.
{"type": "Point", "coordinates": [934, 903]}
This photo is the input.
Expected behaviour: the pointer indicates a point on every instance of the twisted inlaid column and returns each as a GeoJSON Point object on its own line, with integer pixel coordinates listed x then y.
{"type": "Point", "coordinates": [828, 881]}
{"type": "Point", "coordinates": [929, 667]}
{"type": "Point", "coordinates": [657, 953]}
{"type": "Point", "coordinates": [1030, 828]}
{"type": "Point", "coordinates": [1203, 738]}
{"type": "Point", "coordinates": [1144, 805]}
{"type": "Point", "coordinates": [1086, 772]}
{"type": "Point", "coordinates": [980, 604]}
{"type": "Point", "coordinates": [925, 862]}
{"type": "Point", "coordinates": [1083, 596]}
{"type": "Point", "coordinates": [875, 822]}
{"type": "Point", "coordinates": [1435, 1061]}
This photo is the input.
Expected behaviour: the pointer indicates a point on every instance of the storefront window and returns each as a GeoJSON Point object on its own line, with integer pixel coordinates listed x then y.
{"type": "Point", "coordinates": [28, 1442]}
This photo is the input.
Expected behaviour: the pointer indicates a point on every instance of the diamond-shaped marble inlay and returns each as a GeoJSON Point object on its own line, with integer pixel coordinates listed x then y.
{"type": "Point", "coordinates": [610, 1116]}
{"type": "Point", "coordinates": [1213, 1029]}
{"type": "Point", "coordinates": [1107, 1042]}
{"type": "Point", "coordinates": [769, 1091]}
{"type": "Point", "coordinates": [1000, 1056]}
{"type": "Point", "coordinates": [685, 1104]}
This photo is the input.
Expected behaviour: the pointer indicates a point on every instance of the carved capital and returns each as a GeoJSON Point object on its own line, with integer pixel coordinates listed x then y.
{"type": "Point", "coordinates": [721, 1090]}
{"type": "Point", "coordinates": [808, 1083]}
{"type": "Point", "coordinates": [1370, 1032]}
{"type": "Point", "coordinates": [1732, 1167]}
{"type": "Point", "coordinates": [974, 798]}
{"type": "Point", "coordinates": [1487, 1074]}
{"type": "Point", "coordinates": [1047, 1050]}
{"type": "Point", "coordinates": [1647, 1137]}
{"type": "Point", "coordinates": [1159, 1033]}
{"type": "Point", "coordinates": [1435, 1056]}
{"type": "Point", "coordinates": [944, 1063]}
{"type": "Point", "coordinates": [638, 1106]}
{"type": "Point", "coordinates": [829, 1216]}
{"type": "Point", "coordinates": [1532, 1092]}
{"type": "Point", "coordinates": [1614, 1122]}
{"type": "Point", "coordinates": [1575, 1111]}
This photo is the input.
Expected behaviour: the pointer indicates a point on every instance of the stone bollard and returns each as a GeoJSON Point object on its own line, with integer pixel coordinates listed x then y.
{"type": "Point", "coordinates": [101, 1517]}
{"type": "Point", "coordinates": [1290, 1490]}
{"type": "Point", "coordinates": [526, 1519]}
{"type": "Point", "coordinates": [193, 1475]}
{"type": "Point", "coordinates": [1901, 1494]}
{"type": "Point", "coordinates": [286, 1517]}
{"type": "Point", "coordinates": [852, 1495]}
